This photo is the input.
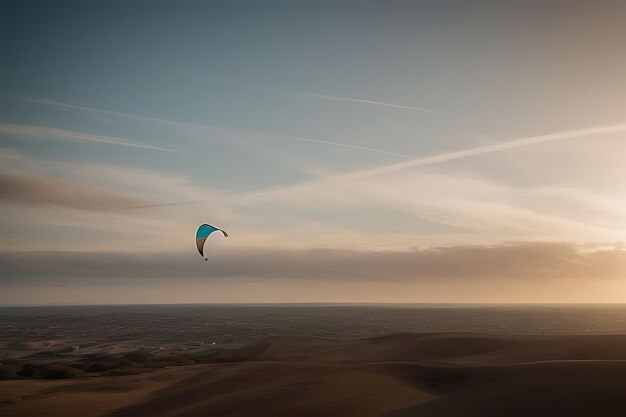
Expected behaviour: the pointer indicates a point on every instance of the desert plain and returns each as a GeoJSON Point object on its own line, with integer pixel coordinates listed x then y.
{"type": "Point", "coordinates": [192, 361]}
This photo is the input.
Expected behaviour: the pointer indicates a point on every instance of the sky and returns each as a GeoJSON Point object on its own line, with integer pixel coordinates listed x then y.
{"type": "Point", "coordinates": [355, 151]}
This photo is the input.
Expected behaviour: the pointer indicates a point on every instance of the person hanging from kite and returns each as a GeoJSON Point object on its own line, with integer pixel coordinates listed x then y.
{"type": "Point", "coordinates": [202, 234]}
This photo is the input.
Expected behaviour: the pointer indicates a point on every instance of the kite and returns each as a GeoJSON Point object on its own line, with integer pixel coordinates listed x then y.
{"type": "Point", "coordinates": [202, 234]}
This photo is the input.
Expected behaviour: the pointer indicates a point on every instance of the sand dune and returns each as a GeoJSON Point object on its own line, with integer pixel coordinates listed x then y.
{"type": "Point", "coordinates": [432, 347]}
{"type": "Point", "coordinates": [280, 389]}
{"type": "Point", "coordinates": [401, 375]}
{"type": "Point", "coordinates": [557, 388]}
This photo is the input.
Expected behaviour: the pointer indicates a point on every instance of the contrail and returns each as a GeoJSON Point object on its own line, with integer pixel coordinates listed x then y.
{"type": "Point", "coordinates": [42, 132]}
{"type": "Point", "coordinates": [176, 203]}
{"type": "Point", "coordinates": [431, 160]}
{"type": "Point", "coordinates": [95, 110]}
{"type": "Point", "coordinates": [192, 125]}
{"type": "Point", "coordinates": [517, 143]}
{"type": "Point", "coordinates": [358, 100]}
{"type": "Point", "coordinates": [327, 142]}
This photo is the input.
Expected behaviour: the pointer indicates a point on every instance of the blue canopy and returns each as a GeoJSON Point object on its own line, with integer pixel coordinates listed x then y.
{"type": "Point", "coordinates": [202, 234]}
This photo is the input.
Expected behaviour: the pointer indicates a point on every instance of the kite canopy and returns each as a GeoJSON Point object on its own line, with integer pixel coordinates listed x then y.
{"type": "Point", "coordinates": [202, 234]}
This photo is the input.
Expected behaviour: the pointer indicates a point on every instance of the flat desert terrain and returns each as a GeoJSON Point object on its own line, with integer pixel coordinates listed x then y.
{"type": "Point", "coordinates": [66, 369]}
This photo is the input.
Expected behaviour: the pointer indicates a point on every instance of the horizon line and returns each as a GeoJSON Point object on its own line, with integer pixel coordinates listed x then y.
{"type": "Point", "coordinates": [321, 303]}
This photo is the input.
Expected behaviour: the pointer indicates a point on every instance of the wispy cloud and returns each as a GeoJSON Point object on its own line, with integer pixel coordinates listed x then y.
{"type": "Point", "coordinates": [449, 156]}
{"type": "Point", "coordinates": [33, 190]}
{"type": "Point", "coordinates": [485, 208]}
{"type": "Point", "coordinates": [43, 132]}
{"type": "Point", "coordinates": [205, 128]}
{"type": "Point", "coordinates": [495, 263]}
{"type": "Point", "coordinates": [481, 210]}
{"type": "Point", "coordinates": [331, 143]}
{"type": "Point", "coordinates": [124, 115]}
{"type": "Point", "coordinates": [517, 143]}
{"type": "Point", "coordinates": [361, 101]}
{"type": "Point", "coordinates": [412, 163]}
{"type": "Point", "coordinates": [481, 207]}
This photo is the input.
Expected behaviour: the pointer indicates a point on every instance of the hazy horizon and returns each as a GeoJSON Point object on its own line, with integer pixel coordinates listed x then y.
{"type": "Point", "coordinates": [356, 152]}
{"type": "Point", "coordinates": [322, 304]}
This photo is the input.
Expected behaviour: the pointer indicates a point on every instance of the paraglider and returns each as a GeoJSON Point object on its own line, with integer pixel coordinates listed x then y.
{"type": "Point", "coordinates": [202, 234]}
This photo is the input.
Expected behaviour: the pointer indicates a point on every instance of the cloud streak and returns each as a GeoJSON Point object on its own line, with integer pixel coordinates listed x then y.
{"type": "Point", "coordinates": [31, 190]}
{"type": "Point", "coordinates": [446, 157]}
{"type": "Point", "coordinates": [412, 163]}
{"type": "Point", "coordinates": [338, 144]}
{"type": "Point", "coordinates": [484, 209]}
{"type": "Point", "coordinates": [187, 125]}
{"type": "Point", "coordinates": [42, 132]}
{"type": "Point", "coordinates": [109, 112]}
{"type": "Point", "coordinates": [361, 101]}
{"type": "Point", "coordinates": [506, 262]}
{"type": "Point", "coordinates": [516, 143]}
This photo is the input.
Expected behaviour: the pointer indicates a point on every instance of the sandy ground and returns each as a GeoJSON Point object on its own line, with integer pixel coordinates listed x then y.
{"type": "Point", "coordinates": [402, 375]}
{"type": "Point", "coordinates": [301, 388]}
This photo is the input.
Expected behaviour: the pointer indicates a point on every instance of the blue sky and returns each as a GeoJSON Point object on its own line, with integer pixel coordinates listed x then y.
{"type": "Point", "coordinates": [365, 126]}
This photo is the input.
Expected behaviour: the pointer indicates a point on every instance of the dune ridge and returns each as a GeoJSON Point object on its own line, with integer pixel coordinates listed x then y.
{"type": "Point", "coordinates": [396, 375]}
